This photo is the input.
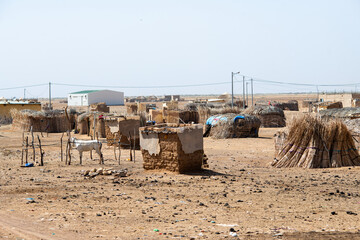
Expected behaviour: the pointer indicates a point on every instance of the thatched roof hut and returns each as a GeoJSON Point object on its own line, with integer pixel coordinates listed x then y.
{"type": "Point", "coordinates": [269, 116]}
{"type": "Point", "coordinates": [349, 113]}
{"type": "Point", "coordinates": [315, 143]}
{"type": "Point", "coordinates": [53, 121]}
{"type": "Point", "coordinates": [291, 105]}
{"type": "Point", "coordinates": [232, 125]}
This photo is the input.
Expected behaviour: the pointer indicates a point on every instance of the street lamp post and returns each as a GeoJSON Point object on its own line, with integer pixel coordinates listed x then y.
{"type": "Point", "coordinates": [232, 88]}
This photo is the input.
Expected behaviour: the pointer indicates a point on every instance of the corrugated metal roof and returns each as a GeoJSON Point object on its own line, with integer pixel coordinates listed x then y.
{"type": "Point", "coordinates": [85, 91]}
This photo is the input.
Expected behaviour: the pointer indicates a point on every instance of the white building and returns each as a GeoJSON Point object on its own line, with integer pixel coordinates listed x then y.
{"type": "Point", "coordinates": [86, 98]}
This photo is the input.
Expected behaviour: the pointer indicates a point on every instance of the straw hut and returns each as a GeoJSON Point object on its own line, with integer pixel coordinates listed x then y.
{"type": "Point", "coordinates": [291, 105]}
{"type": "Point", "coordinates": [342, 113]}
{"type": "Point", "coordinates": [54, 121]}
{"type": "Point", "coordinates": [314, 143]}
{"type": "Point", "coordinates": [232, 126]}
{"type": "Point", "coordinates": [269, 116]}
{"type": "Point", "coordinates": [206, 111]}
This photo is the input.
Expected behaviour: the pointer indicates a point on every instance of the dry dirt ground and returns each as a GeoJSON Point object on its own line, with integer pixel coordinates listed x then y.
{"type": "Point", "coordinates": [239, 190]}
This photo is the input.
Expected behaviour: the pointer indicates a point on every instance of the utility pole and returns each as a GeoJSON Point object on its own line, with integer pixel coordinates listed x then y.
{"type": "Point", "coordinates": [317, 91]}
{"type": "Point", "coordinates": [244, 92]}
{"type": "Point", "coordinates": [247, 92]}
{"type": "Point", "coordinates": [24, 93]}
{"type": "Point", "coordinates": [50, 96]}
{"type": "Point", "coordinates": [252, 93]}
{"type": "Point", "coordinates": [232, 90]}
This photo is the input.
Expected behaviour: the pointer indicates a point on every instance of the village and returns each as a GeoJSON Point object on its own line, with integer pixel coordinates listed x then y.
{"type": "Point", "coordinates": [98, 165]}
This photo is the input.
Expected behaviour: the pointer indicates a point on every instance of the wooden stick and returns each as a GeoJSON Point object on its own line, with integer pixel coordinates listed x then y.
{"type": "Point", "coordinates": [26, 149]}
{"type": "Point", "coordinates": [69, 151]}
{"type": "Point", "coordinates": [61, 146]}
{"type": "Point", "coordinates": [32, 143]}
{"type": "Point", "coordinates": [134, 143]}
{"type": "Point", "coordinates": [66, 153]}
{"type": "Point", "coordinates": [22, 150]}
{"type": "Point", "coordinates": [115, 151]}
{"type": "Point", "coordinates": [119, 149]}
{"type": "Point", "coordinates": [41, 153]}
{"type": "Point", "coordinates": [130, 146]}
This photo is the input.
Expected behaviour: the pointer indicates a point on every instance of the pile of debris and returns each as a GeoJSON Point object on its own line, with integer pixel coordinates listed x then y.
{"type": "Point", "coordinates": [103, 171]}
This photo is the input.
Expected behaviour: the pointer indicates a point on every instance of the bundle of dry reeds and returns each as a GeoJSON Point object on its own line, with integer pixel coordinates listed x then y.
{"type": "Point", "coordinates": [314, 143]}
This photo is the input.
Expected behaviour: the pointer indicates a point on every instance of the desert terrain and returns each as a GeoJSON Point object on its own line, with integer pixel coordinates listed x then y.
{"type": "Point", "coordinates": [240, 190]}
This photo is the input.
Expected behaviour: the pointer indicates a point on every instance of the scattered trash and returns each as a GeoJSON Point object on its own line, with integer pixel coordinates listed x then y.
{"type": "Point", "coordinates": [30, 200]}
{"type": "Point", "coordinates": [156, 230]}
{"type": "Point", "coordinates": [351, 213]}
{"type": "Point", "coordinates": [29, 164]}
{"type": "Point", "coordinates": [103, 171]}
{"type": "Point", "coordinates": [212, 221]}
{"type": "Point", "coordinates": [233, 234]}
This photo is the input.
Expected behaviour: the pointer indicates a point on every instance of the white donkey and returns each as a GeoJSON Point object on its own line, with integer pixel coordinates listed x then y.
{"type": "Point", "coordinates": [87, 145]}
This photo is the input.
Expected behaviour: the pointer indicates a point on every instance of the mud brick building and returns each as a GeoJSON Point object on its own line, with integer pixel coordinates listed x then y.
{"type": "Point", "coordinates": [173, 147]}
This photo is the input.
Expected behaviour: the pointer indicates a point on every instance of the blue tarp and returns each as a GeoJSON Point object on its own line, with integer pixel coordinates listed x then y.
{"type": "Point", "coordinates": [213, 120]}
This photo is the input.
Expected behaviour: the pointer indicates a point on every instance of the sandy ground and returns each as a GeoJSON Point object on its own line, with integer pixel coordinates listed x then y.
{"type": "Point", "coordinates": [239, 190]}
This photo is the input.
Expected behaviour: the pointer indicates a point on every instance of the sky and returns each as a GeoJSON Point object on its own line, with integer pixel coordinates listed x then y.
{"type": "Point", "coordinates": [159, 47]}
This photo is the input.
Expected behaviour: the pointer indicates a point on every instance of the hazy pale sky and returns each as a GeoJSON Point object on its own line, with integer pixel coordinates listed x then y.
{"type": "Point", "coordinates": [172, 42]}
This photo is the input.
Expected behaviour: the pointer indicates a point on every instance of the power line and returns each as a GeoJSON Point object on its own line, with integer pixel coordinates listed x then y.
{"type": "Point", "coordinates": [28, 86]}
{"type": "Point", "coordinates": [166, 86]}
{"type": "Point", "coordinates": [299, 84]}
{"type": "Point", "coordinates": [186, 85]}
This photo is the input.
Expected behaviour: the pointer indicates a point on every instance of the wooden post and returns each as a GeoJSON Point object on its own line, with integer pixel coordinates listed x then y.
{"type": "Point", "coordinates": [22, 150]}
{"type": "Point", "coordinates": [26, 149]}
{"type": "Point", "coordinates": [41, 153]}
{"type": "Point", "coordinates": [130, 147]}
{"type": "Point", "coordinates": [32, 143]}
{"type": "Point", "coordinates": [119, 149]}
{"type": "Point", "coordinates": [66, 153]}
{"type": "Point", "coordinates": [134, 145]}
{"type": "Point", "coordinates": [69, 151]}
{"type": "Point", "coordinates": [61, 146]}
{"type": "Point", "coordinates": [115, 148]}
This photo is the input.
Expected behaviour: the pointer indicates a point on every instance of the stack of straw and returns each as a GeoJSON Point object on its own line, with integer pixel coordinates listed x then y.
{"type": "Point", "coordinates": [313, 143]}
